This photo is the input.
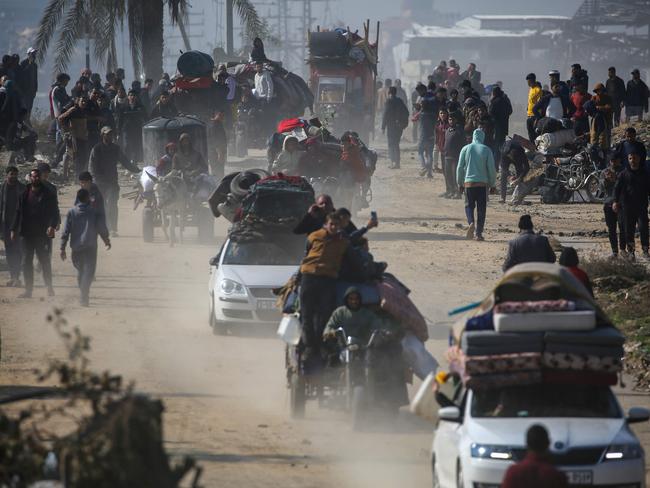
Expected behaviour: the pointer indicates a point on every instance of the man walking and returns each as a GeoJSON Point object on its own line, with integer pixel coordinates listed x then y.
{"type": "Point", "coordinates": [10, 194]}
{"type": "Point", "coordinates": [96, 197]}
{"type": "Point", "coordinates": [476, 173]}
{"type": "Point", "coordinates": [636, 97]}
{"type": "Point", "coordinates": [631, 195]}
{"type": "Point", "coordinates": [615, 87]}
{"type": "Point", "coordinates": [534, 96]}
{"type": "Point", "coordinates": [614, 219]}
{"type": "Point", "coordinates": [394, 121]}
{"type": "Point", "coordinates": [536, 469]}
{"type": "Point", "coordinates": [36, 221]}
{"type": "Point", "coordinates": [500, 110]}
{"type": "Point", "coordinates": [82, 226]}
{"type": "Point", "coordinates": [104, 158]}
{"type": "Point", "coordinates": [28, 80]}
{"type": "Point", "coordinates": [528, 247]}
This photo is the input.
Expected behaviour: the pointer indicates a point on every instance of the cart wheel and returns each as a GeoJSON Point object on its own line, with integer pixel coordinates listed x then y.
{"type": "Point", "coordinates": [147, 224]}
{"type": "Point", "coordinates": [205, 225]}
{"type": "Point", "coordinates": [298, 398]}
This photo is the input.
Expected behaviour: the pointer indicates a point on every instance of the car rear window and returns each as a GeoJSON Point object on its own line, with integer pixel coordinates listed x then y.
{"type": "Point", "coordinates": [257, 253]}
{"type": "Point", "coordinates": [545, 400]}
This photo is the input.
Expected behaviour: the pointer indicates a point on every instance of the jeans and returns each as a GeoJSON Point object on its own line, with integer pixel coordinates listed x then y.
{"type": "Point", "coordinates": [111, 193]}
{"type": "Point", "coordinates": [394, 135]}
{"type": "Point", "coordinates": [14, 253]}
{"type": "Point", "coordinates": [476, 197]}
{"type": "Point", "coordinates": [425, 151]}
{"type": "Point", "coordinates": [530, 125]}
{"type": "Point", "coordinates": [85, 261]}
{"type": "Point", "coordinates": [449, 170]}
{"type": "Point", "coordinates": [613, 219]}
{"type": "Point", "coordinates": [317, 302]}
{"type": "Point", "coordinates": [631, 217]}
{"type": "Point", "coordinates": [38, 246]}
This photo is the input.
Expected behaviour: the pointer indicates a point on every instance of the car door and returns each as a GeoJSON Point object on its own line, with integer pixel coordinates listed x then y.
{"type": "Point", "coordinates": [448, 435]}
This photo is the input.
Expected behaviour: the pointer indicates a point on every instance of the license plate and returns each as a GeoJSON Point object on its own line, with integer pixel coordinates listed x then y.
{"type": "Point", "coordinates": [580, 477]}
{"type": "Point", "coordinates": [265, 304]}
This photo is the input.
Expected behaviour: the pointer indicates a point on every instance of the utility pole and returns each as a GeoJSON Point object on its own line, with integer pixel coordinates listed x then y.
{"type": "Point", "coordinates": [230, 41]}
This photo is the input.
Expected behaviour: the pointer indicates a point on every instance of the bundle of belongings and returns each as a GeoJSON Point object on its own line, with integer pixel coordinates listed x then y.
{"type": "Point", "coordinates": [539, 325]}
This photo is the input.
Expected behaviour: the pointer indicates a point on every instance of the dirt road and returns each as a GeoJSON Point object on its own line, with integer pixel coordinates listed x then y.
{"type": "Point", "coordinates": [226, 401]}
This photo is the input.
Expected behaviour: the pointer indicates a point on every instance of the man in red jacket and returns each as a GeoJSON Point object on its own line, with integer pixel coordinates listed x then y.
{"type": "Point", "coordinates": [535, 470]}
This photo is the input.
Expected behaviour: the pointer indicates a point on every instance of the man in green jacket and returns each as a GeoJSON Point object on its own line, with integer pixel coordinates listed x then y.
{"type": "Point", "coordinates": [475, 174]}
{"type": "Point", "coordinates": [357, 320]}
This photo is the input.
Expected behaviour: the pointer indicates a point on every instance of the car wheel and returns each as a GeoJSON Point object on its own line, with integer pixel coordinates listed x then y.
{"type": "Point", "coordinates": [460, 478]}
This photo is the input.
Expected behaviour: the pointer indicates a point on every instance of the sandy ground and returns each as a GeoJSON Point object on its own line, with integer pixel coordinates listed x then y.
{"type": "Point", "coordinates": [226, 399]}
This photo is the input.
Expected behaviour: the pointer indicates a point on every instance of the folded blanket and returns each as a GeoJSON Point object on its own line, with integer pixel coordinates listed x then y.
{"type": "Point", "coordinates": [503, 363]}
{"type": "Point", "coordinates": [395, 301]}
{"type": "Point", "coordinates": [602, 336]}
{"type": "Point", "coordinates": [535, 306]}
{"type": "Point", "coordinates": [582, 362]}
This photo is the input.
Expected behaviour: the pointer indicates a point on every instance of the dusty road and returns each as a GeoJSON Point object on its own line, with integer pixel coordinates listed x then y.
{"type": "Point", "coordinates": [226, 401]}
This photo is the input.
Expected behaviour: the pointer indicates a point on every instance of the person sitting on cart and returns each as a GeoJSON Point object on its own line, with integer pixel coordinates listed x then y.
{"type": "Point", "coordinates": [288, 161]}
{"type": "Point", "coordinates": [188, 160]}
{"type": "Point", "coordinates": [164, 165]}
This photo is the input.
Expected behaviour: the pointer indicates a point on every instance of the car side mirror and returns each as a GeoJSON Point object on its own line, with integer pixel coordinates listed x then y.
{"type": "Point", "coordinates": [450, 414]}
{"type": "Point", "coordinates": [214, 261]}
{"type": "Point", "coordinates": [638, 414]}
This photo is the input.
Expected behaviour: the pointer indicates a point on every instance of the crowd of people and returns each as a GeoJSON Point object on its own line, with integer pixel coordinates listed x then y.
{"type": "Point", "coordinates": [461, 127]}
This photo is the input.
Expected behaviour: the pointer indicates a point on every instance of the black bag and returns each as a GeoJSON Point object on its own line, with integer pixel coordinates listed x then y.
{"type": "Point", "coordinates": [194, 64]}
{"type": "Point", "coordinates": [327, 44]}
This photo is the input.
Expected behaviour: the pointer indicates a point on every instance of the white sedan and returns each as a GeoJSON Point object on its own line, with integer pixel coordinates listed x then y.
{"type": "Point", "coordinates": [477, 439]}
{"type": "Point", "coordinates": [242, 279]}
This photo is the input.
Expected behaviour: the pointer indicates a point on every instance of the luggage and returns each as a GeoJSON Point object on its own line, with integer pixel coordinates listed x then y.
{"type": "Point", "coordinates": [193, 64]}
{"type": "Point", "coordinates": [327, 44]}
{"type": "Point", "coordinates": [554, 140]}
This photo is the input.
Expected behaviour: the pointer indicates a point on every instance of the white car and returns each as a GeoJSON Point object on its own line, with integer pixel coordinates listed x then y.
{"type": "Point", "coordinates": [243, 276]}
{"type": "Point", "coordinates": [477, 439]}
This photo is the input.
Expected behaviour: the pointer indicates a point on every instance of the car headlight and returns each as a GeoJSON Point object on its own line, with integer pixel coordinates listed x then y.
{"type": "Point", "coordinates": [484, 451]}
{"type": "Point", "coordinates": [623, 452]}
{"type": "Point", "coordinates": [232, 288]}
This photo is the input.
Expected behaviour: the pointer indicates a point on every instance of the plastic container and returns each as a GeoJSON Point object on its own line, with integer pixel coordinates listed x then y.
{"type": "Point", "coordinates": [289, 329]}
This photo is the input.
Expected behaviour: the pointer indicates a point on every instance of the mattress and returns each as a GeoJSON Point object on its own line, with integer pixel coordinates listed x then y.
{"type": "Point", "coordinates": [489, 342]}
{"type": "Point", "coordinates": [588, 349]}
{"type": "Point", "coordinates": [502, 363]}
{"type": "Point", "coordinates": [582, 362]}
{"type": "Point", "coordinates": [545, 321]}
{"type": "Point", "coordinates": [568, 377]}
{"type": "Point", "coordinates": [486, 381]}
{"type": "Point", "coordinates": [601, 336]}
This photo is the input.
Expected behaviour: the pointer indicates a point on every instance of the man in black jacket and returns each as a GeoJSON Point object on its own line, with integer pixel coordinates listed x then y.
{"type": "Point", "coordinates": [615, 87]}
{"type": "Point", "coordinates": [36, 221]}
{"type": "Point", "coordinates": [515, 155]}
{"type": "Point", "coordinates": [104, 158]}
{"type": "Point", "coordinates": [28, 80]}
{"type": "Point", "coordinates": [528, 247]}
{"type": "Point", "coordinates": [500, 109]}
{"type": "Point", "coordinates": [636, 97]}
{"type": "Point", "coordinates": [395, 120]}
{"type": "Point", "coordinates": [631, 195]}
{"type": "Point", "coordinates": [11, 192]}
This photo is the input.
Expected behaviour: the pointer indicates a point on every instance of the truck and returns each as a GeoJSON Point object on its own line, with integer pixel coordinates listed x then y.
{"type": "Point", "coordinates": [343, 76]}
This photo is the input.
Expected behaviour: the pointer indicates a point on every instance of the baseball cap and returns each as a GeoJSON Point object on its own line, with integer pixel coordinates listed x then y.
{"type": "Point", "coordinates": [106, 130]}
{"type": "Point", "coordinates": [553, 72]}
{"type": "Point", "coordinates": [635, 71]}
{"type": "Point", "coordinates": [31, 50]}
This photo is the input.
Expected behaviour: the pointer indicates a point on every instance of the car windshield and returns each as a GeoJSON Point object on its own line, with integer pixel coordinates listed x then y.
{"type": "Point", "coordinates": [545, 400]}
{"type": "Point", "coordinates": [285, 253]}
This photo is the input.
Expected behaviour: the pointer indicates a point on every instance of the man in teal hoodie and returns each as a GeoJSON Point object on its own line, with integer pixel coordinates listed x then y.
{"type": "Point", "coordinates": [475, 175]}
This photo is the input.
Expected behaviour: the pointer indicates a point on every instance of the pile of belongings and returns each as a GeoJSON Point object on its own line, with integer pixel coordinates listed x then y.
{"type": "Point", "coordinates": [341, 44]}
{"type": "Point", "coordinates": [292, 93]}
{"type": "Point", "coordinates": [551, 141]}
{"type": "Point", "coordinates": [226, 199]}
{"type": "Point", "coordinates": [540, 324]}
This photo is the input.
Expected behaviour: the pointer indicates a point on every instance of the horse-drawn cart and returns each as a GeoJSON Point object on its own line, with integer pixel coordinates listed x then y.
{"type": "Point", "coordinates": [171, 200]}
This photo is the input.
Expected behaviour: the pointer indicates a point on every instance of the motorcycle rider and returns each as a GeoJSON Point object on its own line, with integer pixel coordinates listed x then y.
{"type": "Point", "coordinates": [357, 321]}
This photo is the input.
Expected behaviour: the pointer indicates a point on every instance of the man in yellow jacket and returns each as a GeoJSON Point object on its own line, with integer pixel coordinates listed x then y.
{"type": "Point", "coordinates": [534, 94]}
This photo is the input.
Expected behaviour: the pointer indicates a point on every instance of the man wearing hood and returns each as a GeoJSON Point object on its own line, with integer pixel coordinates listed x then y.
{"type": "Point", "coordinates": [475, 174]}
{"type": "Point", "coordinates": [288, 161]}
{"type": "Point", "coordinates": [631, 194]}
{"type": "Point", "coordinates": [82, 226]}
{"type": "Point", "coordinates": [187, 159]}
{"type": "Point", "coordinates": [357, 321]}
{"type": "Point", "coordinates": [28, 80]}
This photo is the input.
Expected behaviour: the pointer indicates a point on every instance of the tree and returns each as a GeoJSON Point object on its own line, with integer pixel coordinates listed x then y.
{"type": "Point", "coordinates": [99, 20]}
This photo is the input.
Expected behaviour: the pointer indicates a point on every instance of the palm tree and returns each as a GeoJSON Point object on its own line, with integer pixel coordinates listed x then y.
{"type": "Point", "coordinates": [100, 19]}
